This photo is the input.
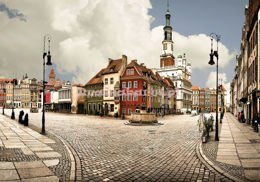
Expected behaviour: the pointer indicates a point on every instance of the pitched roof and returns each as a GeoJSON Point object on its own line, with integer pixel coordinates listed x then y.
{"type": "Point", "coordinates": [52, 73]}
{"type": "Point", "coordinates": [78, 85]}
{"type": "Point", "coordinates": [113, 66]}
{"type": "Point", "coordinates": [168, 82]}
{"type": "Point", "coordinates": [144, 71]}
{"type": "Point", "coordinates": [97, 78]}
{"type": "Point", "coordinates": [221, 87]}
{"type": "Point", "coordinates": [195, 87]}
{"type": "Point", "coordinates": [6, 80]}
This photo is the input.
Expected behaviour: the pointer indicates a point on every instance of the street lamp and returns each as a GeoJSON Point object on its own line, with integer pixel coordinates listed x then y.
{"type": "Point", "coordinates": [48, 54]}
{"type": "Point", "coordinates": [211, 62]}
{"type": "Point", "coordinates": [13, 115]}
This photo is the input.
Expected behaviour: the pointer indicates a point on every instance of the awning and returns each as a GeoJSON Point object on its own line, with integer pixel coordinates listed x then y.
{"type": "Point", "coordinates": [243, 99]}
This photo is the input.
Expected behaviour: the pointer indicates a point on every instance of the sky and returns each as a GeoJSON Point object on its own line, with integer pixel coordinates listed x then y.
{"type": "Point", "coordinates": [85, 33]}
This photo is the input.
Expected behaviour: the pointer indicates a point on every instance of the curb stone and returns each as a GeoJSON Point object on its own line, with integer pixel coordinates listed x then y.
{"type": "Point", "coordinates": [206, 161]}
{"type": "Point", "coordinates": [72, 158]}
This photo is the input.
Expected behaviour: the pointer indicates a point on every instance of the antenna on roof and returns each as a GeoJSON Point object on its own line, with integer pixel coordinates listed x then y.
{"type": "Point", "coordinates": [168, 5]}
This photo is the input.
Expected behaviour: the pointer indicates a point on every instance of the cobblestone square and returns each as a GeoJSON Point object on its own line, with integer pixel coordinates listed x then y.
{"type": "Point", "coordinates": [108, 149]}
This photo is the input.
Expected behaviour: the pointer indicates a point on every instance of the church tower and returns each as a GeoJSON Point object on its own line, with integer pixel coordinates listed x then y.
{"type": "Point", "coordinates": [167, 58]}
{"type": "Point", "coordinates": [52, 77]}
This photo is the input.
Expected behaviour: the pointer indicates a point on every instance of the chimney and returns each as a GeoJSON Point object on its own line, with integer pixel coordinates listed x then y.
{"type": "Point", "coordinates": [124, 59]}
{"type": "Point", "coordinates": [109, 60]}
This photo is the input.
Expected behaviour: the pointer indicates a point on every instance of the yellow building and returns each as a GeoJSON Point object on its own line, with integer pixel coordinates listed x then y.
{"type": "Point", "coordinates": [9, 94]}
{"type": "Point", "coordinates": [25, 94]}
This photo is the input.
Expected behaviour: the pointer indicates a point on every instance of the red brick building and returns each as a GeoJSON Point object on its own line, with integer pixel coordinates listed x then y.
{"type": "Point", "coordinates": [133, 81]}
{"type": "Point", "coordinates": [137, 85]}
{"type": "Point", "coordinates": [3, 82]}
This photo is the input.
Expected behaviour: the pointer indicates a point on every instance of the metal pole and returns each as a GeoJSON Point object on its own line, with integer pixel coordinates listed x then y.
{"type": "Point", "coordinates": [216, 125]}
{"type": "Point", "coordinates": [13, 115]}
{"type": "Point", "coordinates": [43, 100]}
{"type": "Point", "coordinates": [43, 90]}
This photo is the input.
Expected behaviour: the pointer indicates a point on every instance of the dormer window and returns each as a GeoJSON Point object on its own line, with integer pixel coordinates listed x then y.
{"type": "Point", "coordinates": [130, 71]}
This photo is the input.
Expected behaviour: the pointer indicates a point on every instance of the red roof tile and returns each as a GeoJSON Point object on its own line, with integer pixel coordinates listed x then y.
{"type": "Point", "coordinates": [97, 78]}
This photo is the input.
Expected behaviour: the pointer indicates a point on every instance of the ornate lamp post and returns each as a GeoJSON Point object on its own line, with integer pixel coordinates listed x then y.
{"type": "Point", "coordinates": [211, 62]}
{"type": "Point", "coordinates": [48, 54]}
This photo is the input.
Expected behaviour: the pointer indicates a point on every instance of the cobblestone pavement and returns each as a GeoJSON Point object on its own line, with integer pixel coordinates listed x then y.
{"type": "Point", "coordinates": [109, 150]}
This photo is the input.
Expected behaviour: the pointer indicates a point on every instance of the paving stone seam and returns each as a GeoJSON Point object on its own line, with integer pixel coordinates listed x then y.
{"type": "Point", "coordinates": [68, 150]}
{"type": "Point", "coordinates": [207, 162]}
{"type": "Point", "coordinates": [72, 157]}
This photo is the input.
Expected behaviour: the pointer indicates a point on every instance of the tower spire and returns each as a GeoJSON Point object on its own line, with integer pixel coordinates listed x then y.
{"type": "Point", "coordinates": [168, 6]}
{"type": "Point", "coordinates": [167, 58]}
{"type": "Point", "coordinates": [167, 42]}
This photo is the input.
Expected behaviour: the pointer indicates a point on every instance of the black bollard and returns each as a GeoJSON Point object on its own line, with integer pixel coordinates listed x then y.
{"type": "Point", "coordinates": [26, 120]}
{"type": "Point", "coordinates": [20, 120]}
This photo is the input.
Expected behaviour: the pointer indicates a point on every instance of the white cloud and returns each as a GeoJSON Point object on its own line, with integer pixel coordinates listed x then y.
{"type": "Point", "coordinates": [85, 33]}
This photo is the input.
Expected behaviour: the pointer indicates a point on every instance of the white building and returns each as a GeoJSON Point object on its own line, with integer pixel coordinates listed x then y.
{"type": "Point", "coordinates": [78, 93]}
{"type": "Point", "coordinates": [111, 80]}
{"type": "Point", "coordinates": [179, 71]}
{"type": "Point", "coordinates": [65, 98]}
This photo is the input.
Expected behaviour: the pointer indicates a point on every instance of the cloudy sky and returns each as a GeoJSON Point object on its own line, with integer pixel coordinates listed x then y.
{"type": "Point", "coordinates": [85, 33]}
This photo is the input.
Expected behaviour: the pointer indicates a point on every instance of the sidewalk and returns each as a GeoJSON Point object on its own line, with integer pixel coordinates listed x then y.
{"type": "Point", "coordinates": [25, 154]}
{"type": "Point", "coordinates": [238, 150]}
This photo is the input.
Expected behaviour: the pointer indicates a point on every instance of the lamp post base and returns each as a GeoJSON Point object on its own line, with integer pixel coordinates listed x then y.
{"type": "Point", "coordinates": [13, 115]}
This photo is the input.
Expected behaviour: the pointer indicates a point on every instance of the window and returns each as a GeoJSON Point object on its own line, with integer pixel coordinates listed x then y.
{"type": "Point", "coordinates": [129, 111]}
{"type": "Point", "coordinates": [135, 97]}
{"type": "Point", "coordinates": [112, 107]}
{"type": "Point", "coordinates": [124, 85]}
{"type": "Point", "coordinates": [111, 80]}
{"type": "Point", "coordinates": [132, 71]}
{"type": "Point", "coordinates": [129, 97]}
{"type": "Point", "coordinates": [135, 84]}
{"type": "Point", "coordinates": [124, 97]}
{"type": "Point", "coordinates": [106, 93]}
{"type": "Point", "coordinates": [130, 84]}
{"type": "Point", "coordinates": [106, 81]}
{"type": "Point", "coordinates": [111, 93]}
{"type": "Point", "coordinates": [164, 46]}
{"type": "Point", "coordinates": [128, 72]}
{"type": "Point", "coordinates": [124, 110]}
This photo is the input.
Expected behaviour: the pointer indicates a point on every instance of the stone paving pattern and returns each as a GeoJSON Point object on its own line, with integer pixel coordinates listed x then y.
{"type": "Point", "coordinates": [238, 150]}
{"type": "Point", "coordinates": [109, 150]}
{"type": "Point", "coordinates": [17, 139]}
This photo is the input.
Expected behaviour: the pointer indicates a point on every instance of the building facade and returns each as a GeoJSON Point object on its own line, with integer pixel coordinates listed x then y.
{"type": "Point", "coordinates": [179, 70]}
{"type": "Point", "coordinates": [204, 99]}
{"type": "Point", "coordinates": [111, 79]}
{"type": "Point", "coordinates": [245, 86]}
{"type": "Point", "coordinates": [94, 97]}
{"type": "Point", "coordinates": [78, 93]}
{"type": "Point", "coordinates": [195, 97]}
{"type": "Point", "coordinates": [64, 102]}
